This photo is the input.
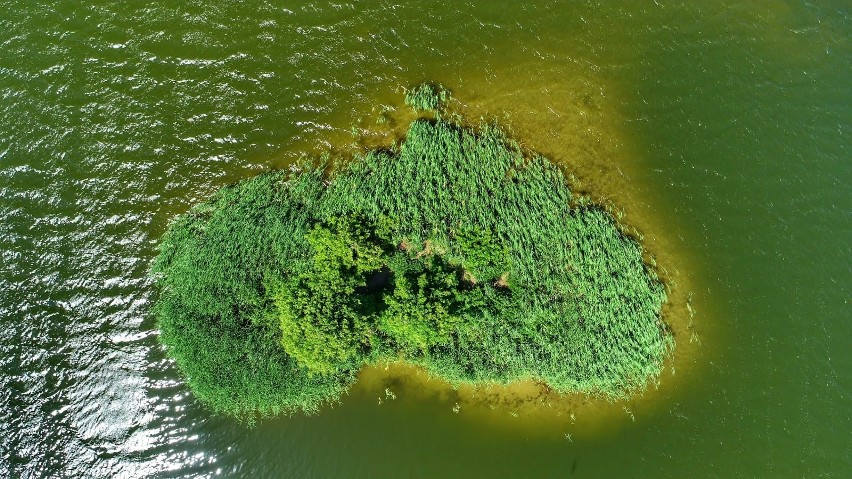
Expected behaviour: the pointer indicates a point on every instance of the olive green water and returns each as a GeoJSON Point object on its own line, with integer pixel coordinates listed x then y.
{"type": "Point", "coordinates": [722, 131]}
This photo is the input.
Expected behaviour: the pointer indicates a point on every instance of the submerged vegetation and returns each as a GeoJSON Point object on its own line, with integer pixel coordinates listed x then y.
{"type": "Point", "coordinates": [454, 251]}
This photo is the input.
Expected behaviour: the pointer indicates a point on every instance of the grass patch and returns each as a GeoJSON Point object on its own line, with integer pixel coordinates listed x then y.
{"type": "Point", "coordinates": [453, 251]}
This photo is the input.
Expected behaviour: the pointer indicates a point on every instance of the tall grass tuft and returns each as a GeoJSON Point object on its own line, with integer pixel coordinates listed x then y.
{"type": "Point", "coordinates": [427, 96]}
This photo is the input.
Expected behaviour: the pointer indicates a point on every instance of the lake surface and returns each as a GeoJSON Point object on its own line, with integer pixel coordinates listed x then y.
{"type": "Point", "coordinates": [721, 131]}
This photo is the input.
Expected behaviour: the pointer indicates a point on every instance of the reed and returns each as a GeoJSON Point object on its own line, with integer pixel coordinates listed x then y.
{"type": "Point", "coordinates": [427, 96]}
{"type": "Point", "coordinates": [455, 251]}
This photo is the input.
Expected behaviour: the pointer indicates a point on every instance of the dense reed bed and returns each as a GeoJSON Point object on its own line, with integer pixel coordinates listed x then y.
{"type": "Point", "coordinates": [454, 251]}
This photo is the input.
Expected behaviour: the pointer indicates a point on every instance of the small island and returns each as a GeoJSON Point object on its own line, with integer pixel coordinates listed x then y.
{"type": "Point", "coordinates": [456, 251]}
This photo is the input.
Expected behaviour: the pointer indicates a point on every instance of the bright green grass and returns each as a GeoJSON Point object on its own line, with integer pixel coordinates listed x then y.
{"type": "Point", "coordinates": [454, 251]}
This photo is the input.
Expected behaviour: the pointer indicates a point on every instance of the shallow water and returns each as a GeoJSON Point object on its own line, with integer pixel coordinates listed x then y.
{"type": "Point", "coordinates": [722, 131]}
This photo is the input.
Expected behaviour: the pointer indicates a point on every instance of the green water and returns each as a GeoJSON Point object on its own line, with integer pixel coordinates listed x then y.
{"type": "Point", "coordinates": [722, 130]}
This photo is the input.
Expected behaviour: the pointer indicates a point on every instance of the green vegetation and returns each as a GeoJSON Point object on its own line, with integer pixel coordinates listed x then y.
{"type": "Point", "coordinates": [427, 96]}
{"type": "Point", "coordinates": [324, 323]}
{"type": "Point", "coordinates": [454, 251]}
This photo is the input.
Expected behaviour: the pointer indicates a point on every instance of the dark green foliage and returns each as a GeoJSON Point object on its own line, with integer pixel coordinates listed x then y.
{"type": "Point", "coordinates": [427, 96]}
{"type": "Point", "coordinates": [484, 256]}
{"type": "Point", "coordinates": [455, 252]}
{"type": "Point", "coordinates": [422, 309]}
